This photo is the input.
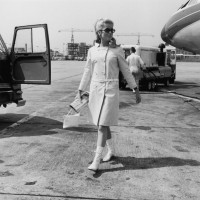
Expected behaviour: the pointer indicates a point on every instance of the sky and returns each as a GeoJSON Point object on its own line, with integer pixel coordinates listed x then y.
{"type": "Point", "coordinates": [129, 16]}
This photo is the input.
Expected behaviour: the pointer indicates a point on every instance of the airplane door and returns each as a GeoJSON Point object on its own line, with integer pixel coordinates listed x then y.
{"type": "Point", "coordinates": [30, 55]}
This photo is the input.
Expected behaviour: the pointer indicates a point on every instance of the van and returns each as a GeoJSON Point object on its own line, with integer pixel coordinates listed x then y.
{"type": "Point", "coordinates": [26, 62]}
{"type": "Point", "coordinates": [159, 66]}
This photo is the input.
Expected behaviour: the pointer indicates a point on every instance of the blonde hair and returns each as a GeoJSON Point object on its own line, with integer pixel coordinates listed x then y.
{"type": "Point", "coordinates": [99, 25]}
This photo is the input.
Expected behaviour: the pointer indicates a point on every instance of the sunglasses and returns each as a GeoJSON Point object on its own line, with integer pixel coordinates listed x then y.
{"type": "Point", "coordinates": [109, 30]}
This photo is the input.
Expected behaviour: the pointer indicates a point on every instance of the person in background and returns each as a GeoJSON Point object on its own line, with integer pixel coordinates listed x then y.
{"type": "Point", "coordinates": [135, 63]}
{"type": "Point", "coordinates": [101, 73]}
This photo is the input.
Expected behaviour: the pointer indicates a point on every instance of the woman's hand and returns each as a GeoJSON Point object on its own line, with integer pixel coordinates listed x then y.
{"type": "Point", "coordinates": [78, 96]}
{"type": "Point", "coordinates": [138, 97]}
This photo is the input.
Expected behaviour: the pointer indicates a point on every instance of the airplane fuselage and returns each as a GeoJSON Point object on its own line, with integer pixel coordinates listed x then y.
{"type": "Point", "coordinates": [183, 28]}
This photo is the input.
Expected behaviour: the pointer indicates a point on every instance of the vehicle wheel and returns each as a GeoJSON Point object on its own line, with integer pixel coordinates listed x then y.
{"type": "Point", "coordinates": [149, 86]}
{"type": "Point", "coordinates": [172, 80]}
{"type": "Point", "coordinates": [122, 85]}
{"type": "Point", "coordinates": [153, 85]}
{"type": "Point", "coordinates": [167, 83]}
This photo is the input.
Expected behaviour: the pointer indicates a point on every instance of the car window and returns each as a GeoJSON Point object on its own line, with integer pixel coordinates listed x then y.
{"type": "Point", "coordinates": [30, 40]}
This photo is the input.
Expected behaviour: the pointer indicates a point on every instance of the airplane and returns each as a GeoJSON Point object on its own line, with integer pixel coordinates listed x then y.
{"type": "Point", "coordinates": [182, 30]}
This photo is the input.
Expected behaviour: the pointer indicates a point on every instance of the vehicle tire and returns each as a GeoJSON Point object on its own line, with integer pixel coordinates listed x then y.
{"type": "Point", "coordinates": [172, 80]}
{"type": "Point", "coordinates": [153, 85]}
{"type": "Point", "coordinates": [167, 83]}
{"type": "Point", "coordinates": [122, 85]}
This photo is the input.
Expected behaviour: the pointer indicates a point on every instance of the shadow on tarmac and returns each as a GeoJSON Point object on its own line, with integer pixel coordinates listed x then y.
{"type": "Point", "coordinates": [183, 85]}
{"type": "Point", "coordinates": [33, 127]}
{"type": "Point", "coordinates": [8, 119]}
{"type": "Point", "coordinates": [132, 163]}
{"type": "Point", "coordinates": [83, 129]}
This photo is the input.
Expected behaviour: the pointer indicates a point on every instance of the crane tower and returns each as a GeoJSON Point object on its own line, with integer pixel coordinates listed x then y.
{"type": "Point", "coordinates": [72, 30]}
{"type": "Point", "coordinates": [75, 50]}
{"type": "Point", "coordinates": [135, 34]}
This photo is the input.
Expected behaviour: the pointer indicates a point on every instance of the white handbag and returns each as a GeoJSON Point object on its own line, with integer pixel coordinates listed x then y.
{"type": "Point", "coordinates": [71, 120]}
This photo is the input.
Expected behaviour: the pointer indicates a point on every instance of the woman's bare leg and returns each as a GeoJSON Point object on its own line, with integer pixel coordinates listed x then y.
{"type": "Point", "coordinates": [109, 136]}
{"type": "Point", "coordinates": [102, 136]}
{"type": "Point", "coordinates": [109, 144]}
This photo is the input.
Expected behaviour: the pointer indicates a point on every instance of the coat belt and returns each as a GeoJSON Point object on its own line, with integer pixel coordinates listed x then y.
{"type": "Point", "coordinates": [105, 80]}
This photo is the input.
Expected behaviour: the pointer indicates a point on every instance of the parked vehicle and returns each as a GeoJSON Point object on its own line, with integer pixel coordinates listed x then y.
{"type": "Point", "coordinates": [159, 66]}
{"type": "Point", "coordinates": [28, 62]}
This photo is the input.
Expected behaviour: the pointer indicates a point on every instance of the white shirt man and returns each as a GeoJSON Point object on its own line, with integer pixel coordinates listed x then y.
{"type": "Point", "coordinates": [134, 62]}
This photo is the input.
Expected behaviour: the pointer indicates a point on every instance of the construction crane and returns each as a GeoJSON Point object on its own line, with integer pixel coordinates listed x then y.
{"type": "Point", "coordinates": [135, 34]}
{"type": "Point", "coordinates": [72, 30]}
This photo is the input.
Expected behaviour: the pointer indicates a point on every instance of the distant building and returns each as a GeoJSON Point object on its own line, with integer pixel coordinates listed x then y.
{"type": "Point", "coordinates": [186, 56]}
{"type": "Point", "coordinates": [18, 50]}
{"type": "Point", "coordinates": [56, 55]}
{"type": "Point", "coordinates": [77, 51]}
{"type": "Point", "coordinates": [181, 51]}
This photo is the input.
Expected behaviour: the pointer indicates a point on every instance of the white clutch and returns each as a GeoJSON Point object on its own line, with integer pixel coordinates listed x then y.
{"type": "Point", "coordinates": [78, 105]}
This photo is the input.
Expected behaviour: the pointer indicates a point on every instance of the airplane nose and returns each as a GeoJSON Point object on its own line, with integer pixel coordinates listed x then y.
{"type": "Point", "coordinates": [164, 35]}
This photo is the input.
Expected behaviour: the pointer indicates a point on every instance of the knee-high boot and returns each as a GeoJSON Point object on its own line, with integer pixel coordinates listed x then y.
{"type": "Point", "coordinates": [95, 164]}
{"type": "Point", "coordinates": [110, 152]}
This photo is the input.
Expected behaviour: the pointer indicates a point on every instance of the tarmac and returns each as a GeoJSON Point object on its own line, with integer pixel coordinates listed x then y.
{"type": "Point", "coordinates": [157, 144]}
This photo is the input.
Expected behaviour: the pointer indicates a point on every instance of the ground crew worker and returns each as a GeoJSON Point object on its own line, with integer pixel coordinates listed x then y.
{"type": "Point", "coordinates": [135, 63]}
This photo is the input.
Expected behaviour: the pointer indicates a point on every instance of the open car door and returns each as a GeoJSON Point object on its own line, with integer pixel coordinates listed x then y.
{"type": "Point", "coordinates": [30, 55]}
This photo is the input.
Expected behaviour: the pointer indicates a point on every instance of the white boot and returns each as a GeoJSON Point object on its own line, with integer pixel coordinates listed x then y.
{"type": "Point", "coordinates": [110, 152]}
{"type": "Point", "coordinates": [95, 164]}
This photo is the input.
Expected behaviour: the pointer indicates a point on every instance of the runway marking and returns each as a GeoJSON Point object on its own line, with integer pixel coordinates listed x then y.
{"type": "Point", "coordinates": [185, 97]}
{"type": "Point", "coordinates": [5, 132]}
{"type": "Point", "coordinates": [44, 196]}
{"type": "Point", "coordinates": [188, 99]}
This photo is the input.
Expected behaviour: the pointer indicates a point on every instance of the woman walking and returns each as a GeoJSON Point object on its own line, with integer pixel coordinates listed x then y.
{"type": "Point", "coordinates": [101, 73]}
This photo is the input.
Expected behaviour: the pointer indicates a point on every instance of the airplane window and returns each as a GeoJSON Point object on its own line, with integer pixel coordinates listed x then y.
{"type": "Point", "coordinates": [192, 2]}
{"type": "Point", "coordinates": [189, 3]}
{"type": "Point", "coordinates": [183, 6]}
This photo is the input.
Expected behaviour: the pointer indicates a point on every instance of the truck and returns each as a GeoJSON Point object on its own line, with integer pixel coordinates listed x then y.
{"type": "Point", "coordinates": [159, 66]}
{"type": "Point", "coordinates": [26, 62]}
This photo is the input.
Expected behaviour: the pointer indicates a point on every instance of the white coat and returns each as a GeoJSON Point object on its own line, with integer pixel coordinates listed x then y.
{"type": "Point", "coordinates": [101, 72]}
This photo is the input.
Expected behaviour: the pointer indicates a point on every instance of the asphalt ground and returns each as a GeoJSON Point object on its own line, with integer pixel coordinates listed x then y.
{"type": "Point", "coordinates": [157, 144]}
